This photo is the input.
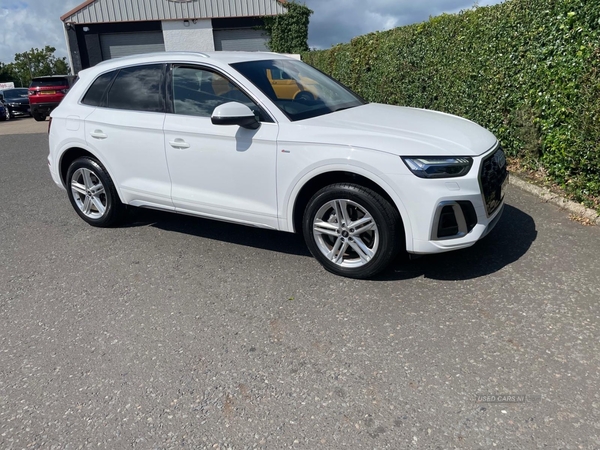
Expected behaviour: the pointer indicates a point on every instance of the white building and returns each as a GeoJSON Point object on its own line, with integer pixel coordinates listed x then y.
{"type": "Point", "coordinates": [98, 30]}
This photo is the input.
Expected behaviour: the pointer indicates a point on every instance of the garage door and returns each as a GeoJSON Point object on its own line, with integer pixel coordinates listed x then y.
{"type": "Point", "coordinates": [248, 40]}
{"type": "Point", "coordinates": [125, 44]}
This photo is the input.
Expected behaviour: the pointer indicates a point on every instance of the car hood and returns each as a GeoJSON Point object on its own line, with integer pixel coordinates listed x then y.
{"type": "Point", "coordinates": [400, 130]}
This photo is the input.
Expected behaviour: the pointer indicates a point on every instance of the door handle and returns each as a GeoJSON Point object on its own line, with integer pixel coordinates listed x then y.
{"type": "Point", "coordinates": [179, 143]}
{"type": "Point", "coordinates": [98, 134]}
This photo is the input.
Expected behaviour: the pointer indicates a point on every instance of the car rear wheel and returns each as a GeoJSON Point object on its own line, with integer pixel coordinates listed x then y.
{"type": "Point", "coordinates": [93, 194]}
{"type": "Point", "coordinates": [304, 97]}
{"type": "Point", "coordinates": [352, 230]}
{"type": "Point", "coordinates": [39, 117]}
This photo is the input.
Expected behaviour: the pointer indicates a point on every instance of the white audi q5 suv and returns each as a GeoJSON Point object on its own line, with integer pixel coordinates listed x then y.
{"type": "Point", "coordinates": [265, 140]}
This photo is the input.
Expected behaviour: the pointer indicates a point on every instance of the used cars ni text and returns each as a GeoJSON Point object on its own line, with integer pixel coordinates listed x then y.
{"type": "Point", "coordinates": [210, 135]}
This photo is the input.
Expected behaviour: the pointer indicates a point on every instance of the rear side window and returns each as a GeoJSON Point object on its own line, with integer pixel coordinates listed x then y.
{"type": "Point", "coordinates": [138, 89]}
{"type": "Point", "coordinates": [49, 82]}
{"type": "Point", "coordinates": [96, 92]}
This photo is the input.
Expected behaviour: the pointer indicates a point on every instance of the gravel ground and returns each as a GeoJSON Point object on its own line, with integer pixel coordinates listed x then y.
{"type": "Point", "coordinates": [23, 125]}
{"type": "Point", "coordinates": [176, 332]}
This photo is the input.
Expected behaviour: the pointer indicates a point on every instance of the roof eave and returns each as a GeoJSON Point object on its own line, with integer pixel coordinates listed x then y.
{"type": "Point", "coordinates": [89, 2]}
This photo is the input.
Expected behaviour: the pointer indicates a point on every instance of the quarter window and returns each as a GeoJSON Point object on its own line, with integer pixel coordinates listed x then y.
{"type": "Point", "coordinates": [138, 89]}
{"type": "Point", "coordinates": [96, 92]}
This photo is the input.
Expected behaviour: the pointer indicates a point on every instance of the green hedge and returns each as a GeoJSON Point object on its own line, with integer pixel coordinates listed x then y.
{"type": "Point", "coordinates": [529, 70]}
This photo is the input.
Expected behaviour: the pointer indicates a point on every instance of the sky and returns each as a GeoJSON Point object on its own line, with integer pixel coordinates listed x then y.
{"type": "Point", "coordinates": [25, 24]}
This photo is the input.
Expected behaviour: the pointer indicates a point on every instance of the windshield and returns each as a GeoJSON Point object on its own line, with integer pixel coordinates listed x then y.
{"type": "Point", "coordinates": [297, 89]}
{"type": "Point", "coordinates": [49, 82]}
{"type": "Point", "coordinates": [15, 93]}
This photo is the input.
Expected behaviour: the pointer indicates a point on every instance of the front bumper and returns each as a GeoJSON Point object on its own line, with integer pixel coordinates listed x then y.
{"type": "Point", "coordinates": [454, 213]}
{"type": "Point", "coordinates": [19, 109]}
{"type": "Point", "coordinates": [479, 231]}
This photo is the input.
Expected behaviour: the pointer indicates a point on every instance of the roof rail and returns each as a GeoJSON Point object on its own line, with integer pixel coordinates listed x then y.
{"type": "Point", "coordinates": [124, 58]}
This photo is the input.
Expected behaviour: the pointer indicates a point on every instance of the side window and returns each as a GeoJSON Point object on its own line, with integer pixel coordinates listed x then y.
{"type": "Point", "coordinates": [278, 74]}
{"type": "Point", "coordinates": [138, 89]}
{"type": "Point", "coordinates": [96, 92]}
{"type": "Point", "coordinates": [197, 92]}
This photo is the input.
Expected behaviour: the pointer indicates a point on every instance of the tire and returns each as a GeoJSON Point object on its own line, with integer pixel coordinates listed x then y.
{"type": "Point", "coordinates": [93, 194]}
{"type": "Point", "coordinates": [39, 117]}
{"type": "Point", "coordinates": [343, 248]}
{"type": "Point", "coordinates": [304, 97]}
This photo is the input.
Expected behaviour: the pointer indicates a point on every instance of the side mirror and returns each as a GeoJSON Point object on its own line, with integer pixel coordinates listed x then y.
{"type": "Point", "coordinates": [234, 113]}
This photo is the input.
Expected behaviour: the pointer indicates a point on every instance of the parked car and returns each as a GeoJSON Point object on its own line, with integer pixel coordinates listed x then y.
{"type": "Point", "coordinates": [15, 102]}
{"type": "Point", "coordinates": [4, 112]}
{"type": "Point", "coordinates": [288, 87]}
{"type": "Point", "coordinates": [45, 93]}
{"type": "Point", "coordinates": [360, 181]}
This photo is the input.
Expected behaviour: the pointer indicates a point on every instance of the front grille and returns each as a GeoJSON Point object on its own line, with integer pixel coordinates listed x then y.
{"type": "Point", "coordinates": [492, 177]}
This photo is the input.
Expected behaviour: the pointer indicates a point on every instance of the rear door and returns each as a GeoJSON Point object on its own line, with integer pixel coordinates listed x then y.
{"type": "Point", "coordinates": [126, 131]}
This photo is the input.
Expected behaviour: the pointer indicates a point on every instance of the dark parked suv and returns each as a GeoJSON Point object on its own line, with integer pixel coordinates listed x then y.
{"type": "Point", "coordinates": [15, 103]}
{"type": "Point", "coordinates": [45, 93]}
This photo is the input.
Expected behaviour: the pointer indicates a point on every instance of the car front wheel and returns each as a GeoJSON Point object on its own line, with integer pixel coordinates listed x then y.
{"type": "Point", "coordinates": [92, 193]}
{"type": "Point", "coordinates": [352, 230]}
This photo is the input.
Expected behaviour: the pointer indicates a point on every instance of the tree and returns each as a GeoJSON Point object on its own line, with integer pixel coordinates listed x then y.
{"type": "Point", "coordinates": [6, 74]}
{"type": "Point", "coordinates": [289, 31]}
{"type": "Point", "coordinates": [37, 63]}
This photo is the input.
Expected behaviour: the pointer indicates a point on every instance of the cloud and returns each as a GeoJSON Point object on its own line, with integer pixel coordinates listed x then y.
{"type": "Point", "coordinates": [339, 21]}
{"type": "Point", "coordinates": [25, 24]}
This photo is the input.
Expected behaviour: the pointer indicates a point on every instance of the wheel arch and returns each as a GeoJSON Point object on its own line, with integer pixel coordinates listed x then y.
{"type": "Point", "coordinates": [319, 181]}
{"type": "Point", "coordinates": [67, 158]}
{"type": "Point", "coordinates": [71, 154]}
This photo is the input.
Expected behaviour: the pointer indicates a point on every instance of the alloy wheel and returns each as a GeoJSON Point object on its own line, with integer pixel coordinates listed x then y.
{"type": "Point", "coordinates": [89, 193]}
{"type": "Point", "coordinates": [346, 233]}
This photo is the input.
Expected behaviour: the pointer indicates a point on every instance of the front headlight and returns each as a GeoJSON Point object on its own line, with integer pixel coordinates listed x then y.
{"type": "Point", "coordinates": [438, 167]}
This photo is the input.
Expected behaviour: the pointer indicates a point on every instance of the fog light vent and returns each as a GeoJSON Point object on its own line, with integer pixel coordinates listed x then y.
{"type": "Point", "coordinates": [468, 211]}
{"type": "Point", "coordinates": [453, 220]}
{"type": "Point", "coordinates": [447, 225]}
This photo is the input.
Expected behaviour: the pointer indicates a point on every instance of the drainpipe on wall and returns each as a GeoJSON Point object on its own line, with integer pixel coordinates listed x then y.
{"type": "Point", "coordinates": [69, 56]}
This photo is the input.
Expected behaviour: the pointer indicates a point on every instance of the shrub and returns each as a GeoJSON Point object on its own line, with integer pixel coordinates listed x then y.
{"type": "Point", "coordinates": [288, 33]}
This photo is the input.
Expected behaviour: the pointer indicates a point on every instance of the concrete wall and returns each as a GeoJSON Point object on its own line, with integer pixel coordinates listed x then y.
{"type": "Point", "coordinates": [188, 36]}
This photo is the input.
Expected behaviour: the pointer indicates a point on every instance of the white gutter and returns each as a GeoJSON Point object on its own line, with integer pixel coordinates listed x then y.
{"type": "Point", "coordinates": [70, 58]}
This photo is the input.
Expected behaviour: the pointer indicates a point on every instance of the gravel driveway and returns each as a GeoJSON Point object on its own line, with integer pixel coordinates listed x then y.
{"type": "Point", "coordinates": [177, 332]}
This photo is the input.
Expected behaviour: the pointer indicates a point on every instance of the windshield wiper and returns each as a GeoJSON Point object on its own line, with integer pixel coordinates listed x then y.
{"type": "Point", "coordinates": [341, 108]}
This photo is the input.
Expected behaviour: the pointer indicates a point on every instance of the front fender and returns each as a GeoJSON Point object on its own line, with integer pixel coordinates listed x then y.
{"type": "Point", "coordinates": [286, 223]}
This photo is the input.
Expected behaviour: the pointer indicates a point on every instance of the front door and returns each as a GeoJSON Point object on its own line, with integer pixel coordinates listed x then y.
{"type": "Point", "coordinates": [222, 172]}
